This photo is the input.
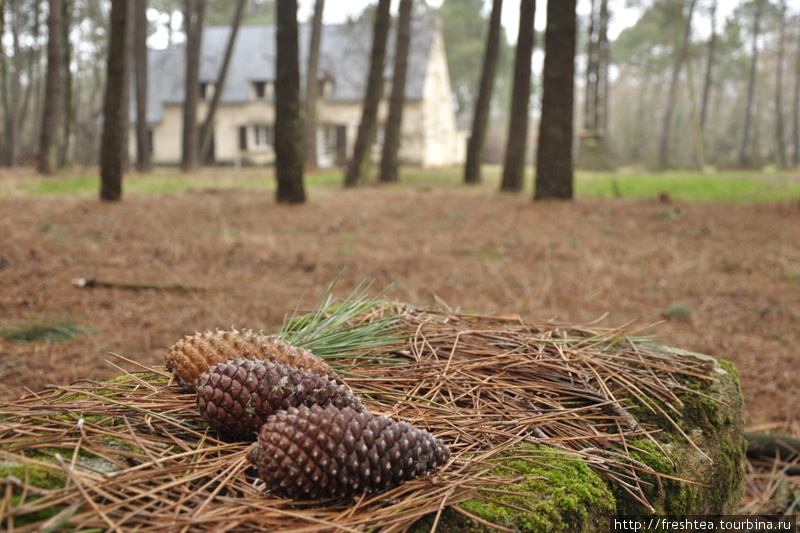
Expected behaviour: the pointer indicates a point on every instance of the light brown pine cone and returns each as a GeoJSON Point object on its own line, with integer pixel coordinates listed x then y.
{"type": "Point", "coordinates": [193, 355]}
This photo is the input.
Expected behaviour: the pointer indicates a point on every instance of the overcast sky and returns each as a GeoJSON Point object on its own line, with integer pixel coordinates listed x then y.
{"type": "Point", "coordinates": [337, 11]}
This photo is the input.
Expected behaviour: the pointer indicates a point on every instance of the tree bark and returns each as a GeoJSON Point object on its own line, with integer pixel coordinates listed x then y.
{"type": "Point", "coordinates": [391, 139]}
{"type": "Point", "coordinates": [195, 10]}
{"type": "Point", "coordinates": [207, 128]}
{"type": "Point", "coordinates": [780, 142]}
{"type": "Point", "coordinates": [744, 159]}
{"type": "Point", "coordinates": [289, 140]}
{"type": "Point", "coordinates": [554, 173]}
{"type": "Point", "coordinates": [312, 89]}
{"type": "Point", "coordinates": [359, 163]}
{"type": "Point", "coordinates": [663, 145]}
{"type": "Point", "coordinates": [514, 169]}
{"type": "Point", "coordinates": [480, 117]}
{"type": "Point", "coordinates": [143, 161]}
{"type": "Point", "coordinates": [54, 86]}
{"type": "Point", "coordinates": [111, 164]}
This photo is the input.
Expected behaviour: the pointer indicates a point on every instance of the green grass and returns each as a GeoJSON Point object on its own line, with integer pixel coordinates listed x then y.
{"type": "Point", "coordinates": [691, 186]}
{"type": "Point", "coordinates": [723, 186]}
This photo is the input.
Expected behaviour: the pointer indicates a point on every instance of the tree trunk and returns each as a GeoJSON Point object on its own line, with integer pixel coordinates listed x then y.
{"type": "Point", "coordinates": [68, 108]}
{"type": "Point", "coordinates": [391, 139]}
{"type": "Point", "coordinates": [780, 143]}
{"type": "Point", "coordinates": [359, 163]}
{"type": "Point", "coordinates": [143, 161]}
{"type": "Point", "coordinates": [13, 116]}
{"type": "Point", "coordinates": [514, 169]}
{"type": "Point", "coordinates": [54, 89]}
{"type": "Point", "coordinates": [3, 84]}
{"type": "Point", "coordinates": [289, 141]}
{"type": "Point", "coordinates": [680, 55]}
{"type": "Point", "coordinates": [207, 129]}
{"type": "Point", "coordinates": [115, 107]}
{"type": "Point", "coordinates": [33, 79]}
{"type": "Point", "coordinates": [744, 159]}
{"type": "Point", "coordinates": [195, 10]}
{"type": "Point", "coordinates": [796, 106]}
{"type": "Point", "coordinates": [709, 68]}
{"type": "Point", "coordinates": [480, 117]}
{"type": "Point", "coordinates": [312, 89]}
{"type": "Point", "coordinates": [554, 173]}
{"type": "Point", "coordinates": [126, 86]}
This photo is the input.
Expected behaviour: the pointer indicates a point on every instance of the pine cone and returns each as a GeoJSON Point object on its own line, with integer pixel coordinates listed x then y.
{"type": "Point", "coordinates": [192, 355]}
{"type": "Point", "coordinates": [317, 452]}
{"type": "Point", "coordinates": [236, 396]}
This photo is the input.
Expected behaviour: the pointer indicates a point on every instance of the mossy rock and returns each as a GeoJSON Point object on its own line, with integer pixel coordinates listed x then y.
{"type": "Point", "coordinates": [562, 493]}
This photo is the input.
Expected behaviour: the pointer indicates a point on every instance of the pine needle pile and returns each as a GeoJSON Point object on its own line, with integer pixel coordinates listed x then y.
{"type": "Point", "coordinates": [134, 454]}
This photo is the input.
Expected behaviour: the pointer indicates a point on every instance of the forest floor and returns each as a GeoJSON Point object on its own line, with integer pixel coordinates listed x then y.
{"type": "Point", "coordinates": [718, 279]}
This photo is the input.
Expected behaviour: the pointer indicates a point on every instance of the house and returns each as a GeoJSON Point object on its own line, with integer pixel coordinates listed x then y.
{"type": "Point", "coordinates": [243, 126]}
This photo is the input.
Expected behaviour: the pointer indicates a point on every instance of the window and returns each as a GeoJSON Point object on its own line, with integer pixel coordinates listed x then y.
{"type": "Point", "coordinates": [206, 90]}
{"type": "Point", "coordinates": [263, 137]}
{"type": "Point", "coordinates": [262, 90]}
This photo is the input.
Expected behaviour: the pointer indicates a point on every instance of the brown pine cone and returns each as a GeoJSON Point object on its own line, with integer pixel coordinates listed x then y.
{"type": "Point", "coordinates": [316, 452]}
{"type": "Point", "coordinates": [192, 355]}
{"type": "Point", "coordinates": [236, 396]}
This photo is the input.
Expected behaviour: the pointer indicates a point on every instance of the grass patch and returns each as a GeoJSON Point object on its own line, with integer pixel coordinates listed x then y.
{"type": "Point", "coordinates": [723, 187]}
{"type": "Point", "coordinates": [57, 332]}
{"type": "Point", "coordinates": [732, 186]}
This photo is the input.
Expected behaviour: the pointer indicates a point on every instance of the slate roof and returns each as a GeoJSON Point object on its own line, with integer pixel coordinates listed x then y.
{"type": "Point", "coordinates": [344, 56]}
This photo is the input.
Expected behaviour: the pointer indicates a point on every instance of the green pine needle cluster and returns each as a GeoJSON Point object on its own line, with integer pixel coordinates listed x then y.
{"type": "Point", "coordinates": [348, 329]}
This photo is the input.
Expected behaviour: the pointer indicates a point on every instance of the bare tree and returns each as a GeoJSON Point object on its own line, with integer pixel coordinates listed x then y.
{"type": "Point", "coordinates": [480, 117]}
{"type": "Point", "coordinates": [289, 143]}
{"type": "Point", "coordinates": [312, 88]}
{"type": "Point", "coordinates": [195, 9]}
{"type": "Point", "coordinates": [357, 169]}
{"type": "Point", "coordinates": [514, 169]}
{"type": "Point", "coordinates": [680, 56]}
{"type": "Point", "coordinates": [68, 111]}
{"type": "Point", "coordinates": [13, 115]}
{"type": "Point", "coordinates": [115, 107]}
{"type": "Point", "coordinates": [53, 89]}
{"type": "Point", "coordinates": [143, 162]}
{"type": "Point", "coordinates": [593, 143]}
{"type": "Point", "coordinates": [709, 67]}
{"type": "Point", "coordinates": [554, 173]}
{"type": "Point", "coordinates": [394, 122]}
{"type": "Point", "coordinates": [744, 159]}
{"type": "Point", "coordinates": [207, 129]}
{"type": "Point", "coordinates": [780, 142]}
{"type": "Point", "coordinates": [796, 104]}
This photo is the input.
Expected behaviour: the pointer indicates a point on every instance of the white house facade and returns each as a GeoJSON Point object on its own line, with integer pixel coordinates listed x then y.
{"type": "Point", "coordinates": [243, 127]}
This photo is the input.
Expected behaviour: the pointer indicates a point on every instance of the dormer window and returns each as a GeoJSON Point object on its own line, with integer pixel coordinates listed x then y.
{"type": "Point", "coordinates": [326, 86]}
{"type": "Point", "coordinates": [206, 90]}
{"type": "Point", "coordinates": [261, 90]}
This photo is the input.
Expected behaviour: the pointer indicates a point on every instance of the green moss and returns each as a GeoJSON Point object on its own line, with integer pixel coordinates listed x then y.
{"type": "Point", "coordinates": [558, 493]}
{"type": "Point", "coordinates": [728, 367]}
{"type": "Point", "coordinates": [44, 477]}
